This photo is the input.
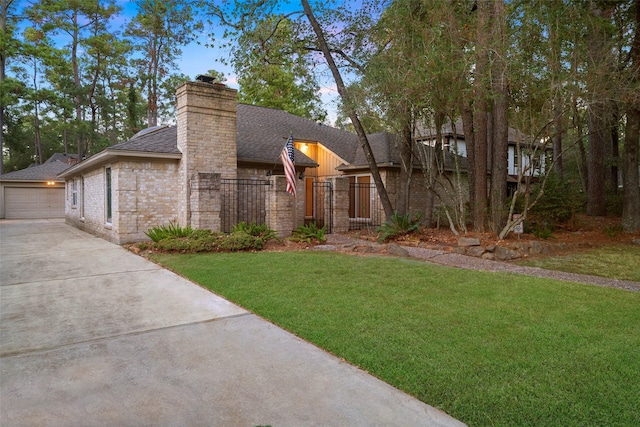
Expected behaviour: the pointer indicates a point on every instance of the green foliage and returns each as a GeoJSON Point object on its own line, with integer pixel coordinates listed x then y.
{"type": "Point", "coordinates": [255, 230]}
{"type": "Point", "coordinates": [308, 233]}
{"type": "Point", "coordinates": [398, 225]}
{"type": "Point", "coordinates": [170, 231]}
{"type": "Point", "coordinates": [559, 203]}
{"type": "Point", "coordinates": [613, 230]}
{"type": "Point", "coordinates": [207, 241]}
{"type": "Point", "coordinates": [543, 230]}
{"type": "Point", "coordinates": [174, 238]}
{"type": "Point", "coordinates": [274, 72]}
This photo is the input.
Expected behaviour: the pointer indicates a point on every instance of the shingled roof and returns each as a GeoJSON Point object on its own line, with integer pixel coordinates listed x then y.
{"type": "Point", "coordinates": [262, 132]}
{"type": "Point", "coordinates": [261, 135]}
{"type": "Point", "coordinates": [47, 171]}
{"type": "Point", "coordinates": [157, 139]}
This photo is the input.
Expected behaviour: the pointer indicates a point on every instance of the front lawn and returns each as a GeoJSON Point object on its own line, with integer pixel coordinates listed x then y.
{"type": "Point", "coordinates": [487, 348]}
{"type": "Point", "coordinates": [615, 262]}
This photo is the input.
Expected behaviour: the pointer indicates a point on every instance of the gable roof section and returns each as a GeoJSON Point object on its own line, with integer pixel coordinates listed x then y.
{"type": "Point", "coordinates": [48, 171]}
{"type": "Point", "coordinates": [161, 139]}
{"type": "Point", "coordinates": [262, 133]}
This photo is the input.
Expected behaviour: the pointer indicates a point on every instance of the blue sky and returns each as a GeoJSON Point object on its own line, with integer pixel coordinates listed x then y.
{"type": "Point", "coordinates": [197, 58]}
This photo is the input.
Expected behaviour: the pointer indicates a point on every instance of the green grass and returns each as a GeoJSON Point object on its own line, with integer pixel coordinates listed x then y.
{"type": "Point", "coordinates": [615, 262]}
{"type": "Point", "coordinates": [489, 349]}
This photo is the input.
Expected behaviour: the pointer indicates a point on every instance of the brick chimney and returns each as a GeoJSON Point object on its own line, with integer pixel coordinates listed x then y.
{"type": "Point", "coordinates": [207, 139]}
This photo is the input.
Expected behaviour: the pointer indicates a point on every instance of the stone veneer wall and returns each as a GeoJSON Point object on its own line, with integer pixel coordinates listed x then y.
{"type": "Point", "coordinates": [145, 194]}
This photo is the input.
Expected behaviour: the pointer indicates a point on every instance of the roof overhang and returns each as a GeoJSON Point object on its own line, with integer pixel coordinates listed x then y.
{"type": "Point", "coordinates": [350, 168]}
{"type": "Point", "coordinates": [108, 155]}
{"type": "Point", "coordinates": [271, 163]}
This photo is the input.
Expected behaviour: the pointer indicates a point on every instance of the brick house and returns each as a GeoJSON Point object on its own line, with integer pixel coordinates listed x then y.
{"type": "Point", "coordinates": [219, 165]}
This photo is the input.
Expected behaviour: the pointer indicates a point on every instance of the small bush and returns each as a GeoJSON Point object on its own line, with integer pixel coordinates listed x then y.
{"type": "Point", "coordinates": [256, 230]}
{"type": "Point", "coordinates": [613, 230]}
{"type": "Point", "coordinates": [398, 225]}
{"type": "Point", "coordinates": [543, 230]}
{"type": "Point", "coordinates": [172, 230]}
{"type": "Point", "coordinates": [211, 242]}
{"type": "Point", "coordinates": [308, 233]}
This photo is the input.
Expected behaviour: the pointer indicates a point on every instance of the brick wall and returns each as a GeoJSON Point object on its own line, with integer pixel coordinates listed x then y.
{"type": "Point", "coordinates": [144, 195]}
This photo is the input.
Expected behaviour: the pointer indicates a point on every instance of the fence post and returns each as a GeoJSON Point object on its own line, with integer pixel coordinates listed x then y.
{"type": "Point", "coordinates": [281, 207]}
{"type": "Point", "coordinates": [340, 204]}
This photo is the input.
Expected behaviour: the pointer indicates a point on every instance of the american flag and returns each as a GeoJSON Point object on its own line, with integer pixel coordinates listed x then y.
{"type": "Point", "coordinates": [289, 169]}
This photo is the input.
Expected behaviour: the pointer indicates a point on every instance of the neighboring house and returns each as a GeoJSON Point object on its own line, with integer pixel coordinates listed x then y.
{"type": "Point", "coordinates": [220, 165]}
{"type": "Point", "coordinates": [531, 160]}
{"type": "Point", "coordinates": [37, 191]}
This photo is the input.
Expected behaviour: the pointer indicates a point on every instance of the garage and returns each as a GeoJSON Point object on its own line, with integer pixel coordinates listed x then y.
{"type": "Point", "coordinates": [33, 202]}
{"type": "Point", "coordinates": [35, 192]}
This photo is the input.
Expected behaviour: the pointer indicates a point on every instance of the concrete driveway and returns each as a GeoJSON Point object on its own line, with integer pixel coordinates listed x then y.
{"type": "Point", "coordinates": [93, 335]}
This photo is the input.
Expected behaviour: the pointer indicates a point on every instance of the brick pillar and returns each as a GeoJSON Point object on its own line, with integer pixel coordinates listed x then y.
{"type": "Point", "coordinates": [281, 207]}
{"type": "Point", "coordinates": [340, 204]}
{"type": "Point", "coordinates": [206, 128]}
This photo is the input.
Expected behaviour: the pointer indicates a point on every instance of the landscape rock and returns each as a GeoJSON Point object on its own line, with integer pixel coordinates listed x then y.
{"type": "Point", "coordinates": [490, 248]}
{"type": "Point", "coordinates": [636, 242]}
{"type": "Point", "coordinates": [475, 251]}
{"type": "Point", "coordinates": [535, 247]}
{"type": "Point", "coordinates": [459, 250]}
{"type": "Point", "coordinates": [364, 249]}
{"type": "Point", "coordinates": [505, 254]}
{"type": "Point", "coordinates": [489, 255]}
{"type": "Point", "coordinates": [325, 248]}
{"type": "Point", "coordinates": [397, 250]}
{"type": "Point", "coordinates": [468, 241]}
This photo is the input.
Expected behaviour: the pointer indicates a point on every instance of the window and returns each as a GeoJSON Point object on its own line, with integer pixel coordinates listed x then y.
{"type": "Point", "coordinates": [82, 197]}
{"type": "Point", "coordinates": [74, 193]}
{"type": "Point", "coordinates": [108, 192]}
{"type": "Point", "coordinates": [360, 197]}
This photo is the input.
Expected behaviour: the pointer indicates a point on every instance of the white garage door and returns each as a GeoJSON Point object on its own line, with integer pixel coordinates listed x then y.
{"type": "Point", "coordinates": [33, 202]}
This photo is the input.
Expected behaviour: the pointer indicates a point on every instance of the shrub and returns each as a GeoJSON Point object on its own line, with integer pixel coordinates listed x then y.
{"type": "Point", "coordinates": [613, 230]}
{"type": "Point", "coordinates": [308, 233]}
{"type": "Point", "coordinates": [543, 230]}
{"type": "Point", "coordinates": [255, 230]}
{"type": "Point", "coordinates": [398, 225]}
{"type": "Point", "coordinates": [172, 230]}
{"type": "Point", "coordinates": [210, 242]}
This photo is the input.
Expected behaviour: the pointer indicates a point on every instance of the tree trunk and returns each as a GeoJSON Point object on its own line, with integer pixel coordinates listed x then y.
{"type": "Point", "coordinates": [469, 138]}
{"type": "Point", "coordinates": [599, 115]}
{"type": "Point", "coordinates": [342, 90]}
{"type": "Point", "coordinates": [3, 28]}
{"type": "Point", "coordinates": [614, 155]}
{"type": "Point", "coordinates": [480, 118]}
{"type": "Point", "coordinates": [557, 137]}
{"type": "Point", "coordinates": [631, 162]}
{"type": "Point", "coordinates": [499, 148]}
{"type": "Point", "coordinates": [597, 172]}
{"type": "Point", "coordinates": [631, 173]}
{"type": "Point", "coordinates": [78, 87]}
{"type": "Point", "coordinates": [406, 168]}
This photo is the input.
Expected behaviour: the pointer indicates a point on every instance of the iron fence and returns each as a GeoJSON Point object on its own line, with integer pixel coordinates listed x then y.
{"type": "Point", "coordinates": [243, 200]}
